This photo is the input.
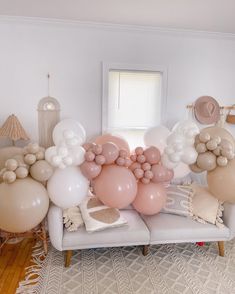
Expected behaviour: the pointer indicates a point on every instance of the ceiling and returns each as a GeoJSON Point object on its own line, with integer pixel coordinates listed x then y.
{"type": "Point", "coordinates": [200, 15]}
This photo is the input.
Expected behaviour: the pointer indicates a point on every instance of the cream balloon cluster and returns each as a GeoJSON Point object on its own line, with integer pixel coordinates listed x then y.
{"type": "Point", "coordinates": [31, 162]}
{"type": "Point", "coordinates": [212, 152]}
{"type": "Point", "coordinates": [180, 145]}
{"type": "Point", "coordinates": [68, 137]}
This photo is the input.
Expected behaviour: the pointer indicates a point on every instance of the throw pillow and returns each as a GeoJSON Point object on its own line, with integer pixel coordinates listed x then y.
{"type": "Point", "coordinates": [98, 217]}
{"type": "Point", "coordinates": [179, 200]}
{"type": "Point", "coordinates": [72, 219]}
{"type": "Point", "coordinates": [206, 208]}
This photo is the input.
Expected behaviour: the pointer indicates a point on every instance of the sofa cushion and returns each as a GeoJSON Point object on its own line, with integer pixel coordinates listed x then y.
{"type": "Point", "coordinates": [167, 228]}
{"type": "Point", "coordinates": [135, 233]}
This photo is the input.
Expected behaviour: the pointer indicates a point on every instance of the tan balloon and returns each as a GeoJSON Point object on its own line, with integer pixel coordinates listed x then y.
{"type": "Point", "coordinates": [217, 151]}
{"type": "Point", "coordinates": [221, 182]}
{"type": "Point", "coordinates": [211, 145]}
{"type": "Point", "coordinates": [201, 148]}
{"type": "Point", "coordinates": [23, 205]}
{"type": "Point", "coordinates": [33, 148]}
{"type": "Point", "coordinates": [219, 132]}
{"type": "Point", "coordinates": [194, 168]}
{"type": "Point", "coordinates": [40, 155]}
{"type": "Point", "coordinates": [8, 152]}
{"type": "Point", "coordinates": [21, 172]}
{"type": "Point", "coordinates": [204, 137]}
{"type": "Point", "coordinates": [41, 171]}
{"type": "Point", "coordinates": [206, 161]}
{"type": "Point", "coordinates": [11, 164]}
{"type": "Point", "coordinates": [222, 161]}
{"type": "Point", "coordinates": [9, 177]}
{"type": "Point", "coordinates": [226, 145]}
{"type": "Point", "coordinates": [228, 154]}
{"type": "Point", "coordinates": [30, 159]}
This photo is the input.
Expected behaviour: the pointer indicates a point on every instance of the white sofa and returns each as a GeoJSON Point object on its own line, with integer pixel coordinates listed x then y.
{"type": "Point", "coordinates": [141, 230]}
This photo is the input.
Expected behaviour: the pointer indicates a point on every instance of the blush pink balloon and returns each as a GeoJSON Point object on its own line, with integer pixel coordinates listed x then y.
{"type": "Point", "coordinates": [141, 158]}
{"type": "Point", "coordinates": [87, 146]}
{"type": "Point", "coordinates": [128, 162]}
{"type": "Point", "coordinates": [152, 155]}
{"type": "Point", "coordinates": [139, 173]}
{"type": "Point", "coordinates": [89, 156]}
{"type": "Point", "coordinates": [139, 150]}
{"type": "Point", "coordinates": [146, 166]}
{"type": "Point", "coordinates": [119, 141]}
{"type": "Point", "coordinates": [145, 180]}
{"type": "Point", "coordinates": [120, 161]}
{"type": "Point", "coordinates": [123, 153]}
{"type": "Point", "coordinates": [90, 170]}
{"type": "Point", "coordinates": [115, 186]}
{"type": "Point", "coordinates": [97, 149]}
{"type": "Point", "coordinates": [150, 198]}
{"type": "Point", "coordinates": [100, 159]}
{"type": "Point", "coordinates": [148, 174]}
{"type": "Point", "coordinates": [161, 173]}
{"type": "Point", "coordinates": [135, 165]}
{"type": "Point", "coordinates": [110, 152]}
{"type": "Point", "coordinates": [133, 157]}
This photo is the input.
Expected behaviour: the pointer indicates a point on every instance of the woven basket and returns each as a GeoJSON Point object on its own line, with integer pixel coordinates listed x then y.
{"type": "Point", "coordinates": [230, 118]}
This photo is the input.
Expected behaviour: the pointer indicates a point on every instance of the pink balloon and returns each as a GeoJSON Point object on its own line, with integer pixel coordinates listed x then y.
{"type": "Point", "coordinates": [141, 158]}
{"type": "Point", "coordinates": [120, 161]}
{"type": "Point", "coordinates": [90, 170]}
{"type": "Point", "coordinates": [116, 186]}
{"type": "Point", "coordinates": [146, 166]}
{"type": "Point", "coordinates": [145, 181]}
{"type": "Point", "coordinates": [100, 159]}
{"type": "Point", "coordinates": [148, 174]}
{"type": "Point", "coordinates": [97, 149]}
{"type": "Point", "coordinates": [161, 173]}
{"type": "Point", "coordinates": [133, 157]}
{"type": "Point", "coordinates": [135, 165]}
{"type": "Point", "coordinates": [89, 156]}
{"type": "Point", "coordinates": [139, 173]}
{"type": "Point", "coordinates": [139, 150]}
{"type": "Point", "coordinates": [152, 155]}
{"type": "Point", "coordinates": [123, 153]}
{"type": "Point", "coordinates": [87, 146]}
{"type": "Point", "coordinates": [110, 152]}
{"type": "Point", "coordinates": [128, 162]}
{"type": "Point", "coordinates": [119, 141]}
{"type": "Point", "coordinates": [150, 198]}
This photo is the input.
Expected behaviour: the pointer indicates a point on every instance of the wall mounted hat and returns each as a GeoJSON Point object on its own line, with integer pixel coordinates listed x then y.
{"type": "Point", "coordinates": [207, 110]}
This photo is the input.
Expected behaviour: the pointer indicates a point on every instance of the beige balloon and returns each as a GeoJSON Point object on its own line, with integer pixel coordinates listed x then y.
{"type": "Point", "coordinates": [9, 177]}
{"type": "Point", "coordinates": [222, 161]}
{"type": "Point", "coordinates": [211, 145]}
{"type": "Point", "coordinates": [228, 154]}
{"type": "Point", "coordinates": [204, 137]}
{"type": "Point", "coordinates": [217, 151]}
{"type": "Point", "coordinates": [30, 159]}
{"type": "Point", "coordinates": [221, 182]}
{"type": "Point", "coordinates": [206, 161]}
{"type": "Point", "coordinates": [21, 172]}
{"type": "Point", "coordinates": [40, 155]}
{"type": "Point", "coordinates": [24, 204]}
{"type": "Point", "coordinates": [7, 153]}
{"type": "Point", "coordinates": [194, 168]}
{"type": "Point", "coordinates": [41, 171]}
{"type": "Point", "coordinates": [33, 148]}
{"type": "Point", "coordinates": [11, 164]}
{"type": "Point", "coordinates": [219, 132]}
{"type": "Point", "coordinates": [201, 147]}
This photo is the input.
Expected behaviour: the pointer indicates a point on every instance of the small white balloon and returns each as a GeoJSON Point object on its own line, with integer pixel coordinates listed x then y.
{"type": "Point", "coordinates": [68, 160]}
{"type": "Point", "coordinates": [56, 160]}
{"type": "Point", "coordinates": [62, 165]}
{"type": "Point", "coordinates": [175, 138]}
{"type": "Point", "coordinates": [50, 152]}
{"type": "Point", "coordinates": [62, 151]}
{"type": "Point", "coordinates": [74, 141]}
{"type": "Point", "coordinates": [68, 134]}
{"type": "Point", "coordinates": [175, 157]}
{"type": "Point", "coordinates": [189, 156]}
{"type": "Point", "coordinates": [167, 163]}
{"type": "Point", "coordinates": [169, 150]}
{"type": "Point", "coordinates": [78, 155]}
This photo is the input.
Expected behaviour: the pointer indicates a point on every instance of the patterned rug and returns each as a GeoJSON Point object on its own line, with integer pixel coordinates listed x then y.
{"type": "Point", "coordinates": [171, 269]}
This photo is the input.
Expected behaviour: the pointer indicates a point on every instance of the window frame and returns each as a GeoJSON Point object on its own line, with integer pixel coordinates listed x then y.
{"type": "Point", "coordinates": [106, 67]}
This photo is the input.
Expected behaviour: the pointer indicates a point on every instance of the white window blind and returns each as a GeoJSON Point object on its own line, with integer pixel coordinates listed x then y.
{"type": "Point", "coordinates": [134, 99]}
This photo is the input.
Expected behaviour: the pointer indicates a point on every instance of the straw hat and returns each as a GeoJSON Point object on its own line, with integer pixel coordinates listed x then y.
{"type": "Point", "coordinates": [207, 110]}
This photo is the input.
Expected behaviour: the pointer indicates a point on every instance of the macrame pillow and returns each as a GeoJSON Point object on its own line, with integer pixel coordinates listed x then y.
{"type": "Point", "coordinates": [97, 216]}
{"type": "Point", "coordinates": [206, 208]}
{"type": "Point", "coordinates": [179, 200]}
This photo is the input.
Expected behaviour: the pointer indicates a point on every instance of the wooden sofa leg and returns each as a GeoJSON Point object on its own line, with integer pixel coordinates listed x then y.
{"type": "Point", "coordinates": [68, 258]}
{"type": "Point", "coordinates": [221, 248]}
{"type": "Point", "coordinates": [145, 250]}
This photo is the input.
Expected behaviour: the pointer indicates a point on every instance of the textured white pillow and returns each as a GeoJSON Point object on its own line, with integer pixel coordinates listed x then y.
{"type": "Point", "coordinates": [97, 216]}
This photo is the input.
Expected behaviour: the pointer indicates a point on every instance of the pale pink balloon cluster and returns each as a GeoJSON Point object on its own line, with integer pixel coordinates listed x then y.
{"type": "Point", "coordinates": [147, 168]}
{"type": "Point", "coordinates": [98, 155]}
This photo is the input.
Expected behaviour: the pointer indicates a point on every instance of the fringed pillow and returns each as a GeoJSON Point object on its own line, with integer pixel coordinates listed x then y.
{"type": "Point", "coordinates": [179, 200]}
{"type": "Point", "coordinates": [98, 217]}
{"type": "Point", "coordinates": [206, 208]}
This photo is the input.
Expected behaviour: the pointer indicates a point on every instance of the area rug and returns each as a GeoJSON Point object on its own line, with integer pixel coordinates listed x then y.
{"type": "Point", "coordinates": [172, 269]}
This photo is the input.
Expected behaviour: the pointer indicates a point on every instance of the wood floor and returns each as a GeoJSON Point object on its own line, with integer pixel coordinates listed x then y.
{"type": "Point", "coordinates": [13, 260]}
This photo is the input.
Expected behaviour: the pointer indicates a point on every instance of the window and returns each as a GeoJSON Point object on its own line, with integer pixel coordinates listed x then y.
{"type": "Point", "coordinates": [132, 101]}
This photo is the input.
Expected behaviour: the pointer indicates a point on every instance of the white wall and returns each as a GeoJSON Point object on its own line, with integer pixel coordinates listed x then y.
{"type": "Point", "coordinates": [197, 65]}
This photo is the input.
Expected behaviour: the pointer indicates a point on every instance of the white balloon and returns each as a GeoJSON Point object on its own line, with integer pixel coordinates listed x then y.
{"type": "Point", "coordinates": [169, 150]}
{"type": "Point", "coordinates": [74, 141]}
{"type": "Point", "coordinates": [175, 138]}
{"type": "Point", "coordinates": [167, 163]}
{"type": "Point", "coordinates": [56, 160]}
{"type": "Point", "coordinates": [68, 160]}
{"type": "Point", "coordinates": [78, 155]}
{"type": "Point", "coordinates": [175, 157]}
{"type": "Point", "coordinates": [68, 134]}
{"type": "Point", "coordinates": [67, 187]}
{"type": "Point", "coordinates": [189, 156]}
{"type": "Point", "coordinates": [156, 136]}
{"type": "Point", "coordinates": [186, 127]}
{"type": "Point", "coordinates": [50, 152]}
{"type": "Point", "coordinates": [178, 147]}
{"type": "Point", "coordinates": [62, 165]}
{"type": "Point", "coordinates": [181, 170]}
{"type": "Point", "coordinates": [62, 151]}
{"type": "Point", "coordinates": [68, 125]}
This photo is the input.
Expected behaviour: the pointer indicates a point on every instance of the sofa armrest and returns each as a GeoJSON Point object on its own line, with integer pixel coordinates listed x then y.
{"type": "Point", "coordinates": [55, 226]}
{"type": "Point", "coordinates": [229, 217]}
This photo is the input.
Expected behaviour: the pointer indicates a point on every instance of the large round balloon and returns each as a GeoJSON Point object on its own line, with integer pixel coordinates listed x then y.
{"type": "Point", "coordinates": [115, 186]}
{"type": "Point", "coordinates": [41, 171]}
{"type": "Point", "coordinates": [69, 129]}
{"type": "Point", "coordinates": [23, 205]}
{"type": "Point", "coordinates": [221, 182]}
{"type": "Point", "coordinates": [156, 136]}
{"type": "Point", "coordinates": [67, 187]}
{"type": "Point", "coordinates": [150, 198]}
{"type": "Point", "coordinates": [119, 141]}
